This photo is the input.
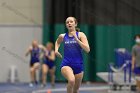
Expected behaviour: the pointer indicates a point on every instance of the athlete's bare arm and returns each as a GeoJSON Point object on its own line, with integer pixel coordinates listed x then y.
{"type": "Point", "coordinates": [57, 44]}
{"type": "Point", "coordinates": [28, 51]}
{"type": "Point", "coordinates": [51, 56]}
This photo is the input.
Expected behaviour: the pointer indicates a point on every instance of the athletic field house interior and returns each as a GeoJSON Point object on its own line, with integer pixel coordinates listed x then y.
{"type": "Point", "coordinates": [69, 46]}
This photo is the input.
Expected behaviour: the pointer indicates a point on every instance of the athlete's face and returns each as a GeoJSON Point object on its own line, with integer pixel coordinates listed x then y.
{"type": "Point", "coordinates": [34, 43]}
{"type": "Point", "coordinates": [49, 46]}
{"type": "Point", "coordinates": [70, 23]}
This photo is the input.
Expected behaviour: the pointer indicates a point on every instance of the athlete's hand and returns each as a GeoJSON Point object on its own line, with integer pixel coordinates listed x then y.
{"type": "Point", "coordinates": [58, 54]}
{"type": "Point", "coordinates": [74, 34]}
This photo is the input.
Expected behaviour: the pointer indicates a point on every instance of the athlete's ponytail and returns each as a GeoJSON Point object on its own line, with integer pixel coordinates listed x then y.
{"type": "Point", "coordinates": [77, 29]}
{"type": "Point", "coordinates": [76, 22]}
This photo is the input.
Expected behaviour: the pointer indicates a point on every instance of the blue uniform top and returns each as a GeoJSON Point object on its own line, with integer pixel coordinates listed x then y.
{"type": "Point", "coordinates": [46, 58]}
{"type": "Point", "coordinates": [35, 53]}
{"type": "Point", "coordinates": [72, 50]}
{"type": "Point", "coordinates": [48, 62]}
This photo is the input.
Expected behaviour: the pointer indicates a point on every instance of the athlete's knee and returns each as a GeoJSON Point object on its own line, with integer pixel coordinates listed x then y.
{"type": "Point", "coordinates": [32, 69]}
{"type": "Point", "coordinates": [71, 81]}
{"type": "Point", "coordinates": [52, 73]}
{"type": "Point", "coordinates": [76, 90]}
{"type": "Point", "coordinates": [36, 66]}
{"type": "Point", "coordinates": [44, 73]}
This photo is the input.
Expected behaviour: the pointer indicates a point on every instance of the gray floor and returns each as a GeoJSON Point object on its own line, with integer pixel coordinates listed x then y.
{"type": "Point", "coordinates": [59, 88]}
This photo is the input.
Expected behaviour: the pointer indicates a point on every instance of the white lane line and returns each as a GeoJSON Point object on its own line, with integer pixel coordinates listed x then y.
{"type": "Point", "coordinates": [64, 89]}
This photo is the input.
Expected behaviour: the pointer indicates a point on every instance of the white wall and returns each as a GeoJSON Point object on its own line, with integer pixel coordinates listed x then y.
{"type": "Point", "coordinates": [19, 25]}
{"type": "Point", "coordinates": [21, 12]}
{"type": "Point", "coordinates": [16, 39]}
